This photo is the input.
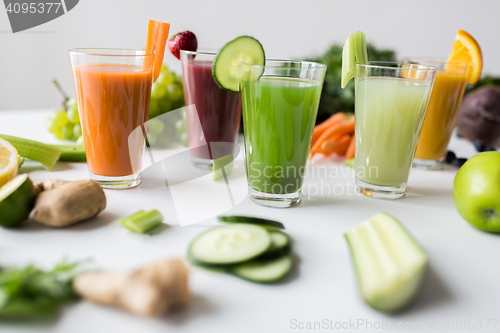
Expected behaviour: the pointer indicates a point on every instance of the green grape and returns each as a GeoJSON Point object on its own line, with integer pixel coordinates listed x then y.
{"type": "Point", "coordinates": [58, 132]}
{"type": "Point", "coordinates": [49, 122]}
{"type": "Point", "coordinates": [67, 132]}
{"type": "Point", "coordinates": [174, 91]}
{"type": "Point", "coordinates": [60, 117]}
{"type": "Point", "coordinates": [184, 139]}
{"type": "Point", "coordinates": [155, 126]}
{"type": "Point", "coordinates": [72, 104]}
{"type": "Point", "coordinates": [77, 131]}
{"type": "Point", "coordinates": [180, 126]}
{"type": "Point", "coordinates": [165, 78]}
{"type": "Point", "coordinates": [73, 116]}
{"type": "Point", "coordinates": [158, 91]}
{"type": "Point", "coordinates": [79, 141]}
{"type": "Point", "coordinates": [164, 105]}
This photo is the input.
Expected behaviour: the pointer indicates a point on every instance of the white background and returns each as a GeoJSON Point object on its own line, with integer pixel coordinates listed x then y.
{"type": "Point", "coordinates": [288, 29]}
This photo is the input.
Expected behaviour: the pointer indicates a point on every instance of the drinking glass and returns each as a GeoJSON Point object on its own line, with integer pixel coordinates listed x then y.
{"type": "Point", "coordinates": [213, 129]}
{"type": "Point", "coordinates": [446, 97]}
{"type": "Point", "coordinates": [279, 113]}
{"type": "Point", "coordinates": [390, 105]}
{"type": "Point", "coordinates": [113, 88]}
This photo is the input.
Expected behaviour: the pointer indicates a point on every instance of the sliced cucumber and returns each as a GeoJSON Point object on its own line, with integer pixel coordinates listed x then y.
{"type": "Point", "coordinates": [230, 244]}
{"type": "Point", "coordinates": [280, 246]}
{"type": "Point", "coordinates": [231, 64]}
{"type": "Point", "coordinates": [265, 223]}
{"type": "Point", "coordinates": [354, 51]}
{"type": "Point", "coordinates": [17, 199]}
{"type": "Point", "coordinates": [264, 271]}
{"type": "Point", "coordinates": [225, 162]}
{"type": "Point", "coordinates": [390, 265]}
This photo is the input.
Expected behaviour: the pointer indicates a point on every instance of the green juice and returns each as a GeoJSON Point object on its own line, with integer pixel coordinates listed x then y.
{"type": "Point", "coordinates": [389, 117]}
{"type": "Point", "coordinates": [278, 119]}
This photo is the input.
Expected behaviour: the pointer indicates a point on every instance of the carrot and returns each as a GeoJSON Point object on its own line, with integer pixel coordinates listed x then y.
{"type": "Point", "coordinates": [338, 146]}
{"type": "Point", "coordinates": [156, 42]}
{"type": "Point", "coordinates": [336, 131]}
{"type": "Point", "coordinates": [351, 150]}
{"type": "Point", "coordinates": [321, 128]}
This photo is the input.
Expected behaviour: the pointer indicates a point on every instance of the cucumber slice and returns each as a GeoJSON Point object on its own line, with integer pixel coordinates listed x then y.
{"type": "Point", "coordinates": [264, 223]}
{"type": "Point", "coordinates": [354, 51]}
{"type": "Point", "coordinates": [231, 63]}
{"type": "Point", "coordinates": [225, 162]}
{"type": "Point", "coordinates": [264, 271]}
{"type": "Point", "coordinates": [230, 244]}
{"type": "Point", "coordinates": [390, 265]}
{"type": "Point", "coordinates": [280, 246]}
{"type": "Point", "coordinates": [17, 199]}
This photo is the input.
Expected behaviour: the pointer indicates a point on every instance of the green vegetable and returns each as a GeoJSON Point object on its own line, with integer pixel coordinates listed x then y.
{"type": "Point", "coordinates": [280, 246]}
{"type": "Point", "coordinates": [390, 265]}
{"type": "Point", "coordinates": [34, 150]}
{"type": "Point", "coordinates": [333, 97]}
{"type": "Point", "coordinates": [31, 293]}
{"type": "Point", "coordinates": [141, 221]}
{"type": "Point", "coordinates": [224, 162]}
{"type": "Point", "coordinates": [71, 153]}
{"type": "Point", "coordinates": [350, 163]}
{"type": "Point", "coordinates": [264, 223]}
{"type": "Point", "coordinates": [264, 271]}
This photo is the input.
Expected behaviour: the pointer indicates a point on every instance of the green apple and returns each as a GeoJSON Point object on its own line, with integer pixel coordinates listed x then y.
{"type": "Point", "coordinates": [476, 191]}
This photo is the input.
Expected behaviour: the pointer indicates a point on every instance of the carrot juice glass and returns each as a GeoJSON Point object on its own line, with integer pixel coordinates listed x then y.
{"type": "Point", "coordinates": [446, 97]}
{"type": "Point", "coordinates": [113, 88]}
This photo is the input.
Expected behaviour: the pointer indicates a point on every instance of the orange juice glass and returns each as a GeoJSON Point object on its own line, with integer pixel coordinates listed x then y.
{"type": "Point", "coordinates": [441, 114]}
{"type": "Point", "coordinates": [113, 89]}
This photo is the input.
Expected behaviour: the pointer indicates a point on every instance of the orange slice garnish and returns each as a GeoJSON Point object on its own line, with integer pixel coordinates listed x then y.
{"type": "Point", "coordinates": [466, 49]}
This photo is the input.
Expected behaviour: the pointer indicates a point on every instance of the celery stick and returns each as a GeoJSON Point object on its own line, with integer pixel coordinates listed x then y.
{"type": "Point", "coordinates": [71, 153]}
{"type": "Point", "coordinates": [34, 150]}
{"type": "Point", "coordinates": [141, 221]}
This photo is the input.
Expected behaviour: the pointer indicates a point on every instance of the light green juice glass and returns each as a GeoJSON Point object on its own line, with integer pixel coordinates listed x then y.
{"type": "Point", "coordinates": [279, 112]}
{"type": "Point", "coordinates": [391, 102]}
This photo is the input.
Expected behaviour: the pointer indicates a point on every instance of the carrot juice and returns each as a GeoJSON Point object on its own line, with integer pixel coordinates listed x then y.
{"type": "Point", "coordinates": [440, 119]}
{"type": "Point", "coordinates": [113, 100]}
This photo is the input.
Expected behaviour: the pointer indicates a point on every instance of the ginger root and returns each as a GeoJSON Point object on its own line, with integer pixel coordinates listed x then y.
{"type": "Point", "coordinates": [62, 203]}
{"type": "Point", "coordinates": [150, 291]}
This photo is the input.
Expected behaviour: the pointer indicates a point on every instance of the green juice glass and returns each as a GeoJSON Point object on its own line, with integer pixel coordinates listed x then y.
{"type": "Point", "coordinates": [279, 112]}
{"type": "Point", "coordinates": [390, 107]}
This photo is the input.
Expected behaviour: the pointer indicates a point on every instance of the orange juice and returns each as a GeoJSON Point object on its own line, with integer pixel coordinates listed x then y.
{"type": "Point", "coordinates": [113, 101]}
{"type": "Point", "coordinates": [440, 119]}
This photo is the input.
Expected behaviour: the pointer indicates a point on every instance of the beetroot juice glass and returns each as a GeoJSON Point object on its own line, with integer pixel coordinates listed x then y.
{"type": "Point", "coordinates": [218, 110]}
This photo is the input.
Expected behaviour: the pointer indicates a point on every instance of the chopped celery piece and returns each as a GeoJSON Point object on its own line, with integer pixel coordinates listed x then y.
{"type": "Point", "coordinates": [350, 163]}
{"type": "Point", "coordinates": [46, 154]}
{"type": "Point", "coordinates": [141, 221]}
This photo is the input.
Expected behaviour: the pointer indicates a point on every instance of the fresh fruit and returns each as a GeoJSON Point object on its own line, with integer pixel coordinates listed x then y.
{"type": "Point", "coordinates": [476, 191]}
{"type": "Point", "coordinates": [479, 115]}
{"type": "Point", "coordinates": [46, 154]}
{"type": "Point", "coordinates": [8, 162]}
{"type": "Point", "coordinates": [264, 271]}
{"type": "Point", "coordinates": [466, 49]}
{"type": "Point", "coordinates": [354, 52]}
{"type": "Point", "coordinates": [222, 165]}
{"type": "Point", "coordinates": [231, 64]}
{"type": "Point", "coordinates": [230, 244]}
{"type": "Point", "coordinates": [185, 40]}
{"type": "Point", "coordinates": [156, 42]}
{"type": "Point", "coordinates": [390, 265]}
{"type": "Point", "coordinates": [65, 124]}
{"type": "Point", "coordinates": [17, 199]}
{"type": "Point", "coordinates": [265, 223]}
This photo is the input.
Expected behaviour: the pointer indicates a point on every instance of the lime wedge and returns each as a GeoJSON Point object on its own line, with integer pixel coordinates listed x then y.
{"type": "Point", "coordinates": [232, 63]}
{"type": "Point", "coordinates": [225, 162]}
{"type": "Point", "coordinates": [354, 52]}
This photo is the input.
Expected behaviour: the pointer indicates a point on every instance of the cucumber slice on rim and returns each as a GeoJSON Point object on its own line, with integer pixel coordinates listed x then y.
{"type": "Point", "coordinates": [354, 51]}
{"type": "Point", "coordinates": [264, 271]}
{"type": "Point", "coordinates": [17, 199]}
{"type": "Point", "coordinates": [231, 63]}
{"type": "Point", "coordinates": [264, 223]}
{"type": "Point", "coordinates": [280, 246]}
{"type": "Point", "coordinates": [230, 244]}
{"type": "Point", "coordinates": [390, 265]}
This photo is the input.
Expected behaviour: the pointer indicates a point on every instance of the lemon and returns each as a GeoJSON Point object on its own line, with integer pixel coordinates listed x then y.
{"type": "Point", "coordinates": [8, 162]}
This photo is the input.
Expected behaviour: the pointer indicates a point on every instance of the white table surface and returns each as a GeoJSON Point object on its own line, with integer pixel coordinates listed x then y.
{"type": "Point", "coordinates": [462, 283]}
